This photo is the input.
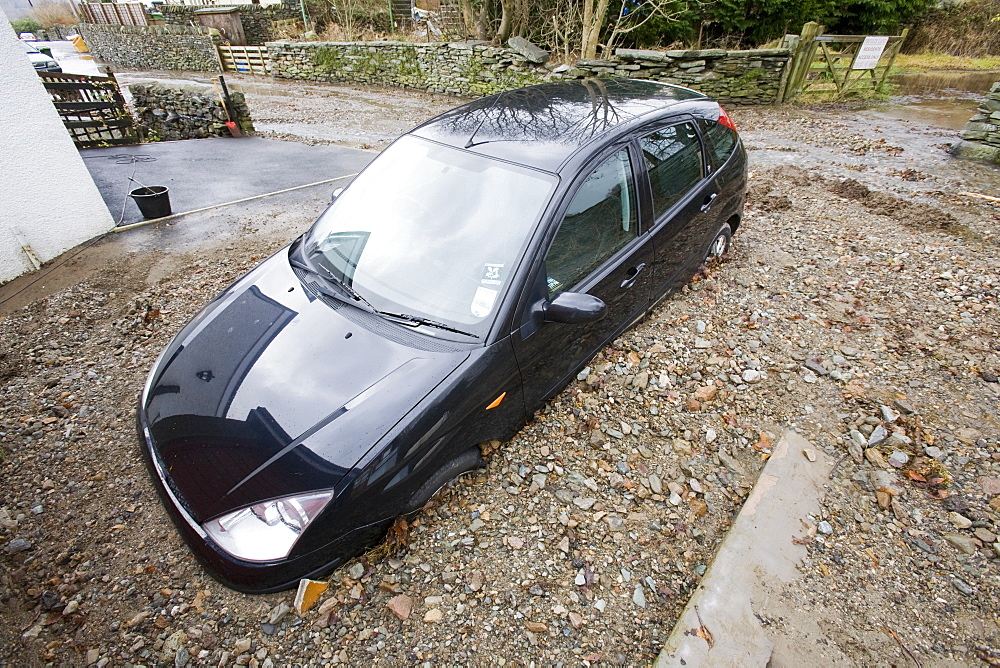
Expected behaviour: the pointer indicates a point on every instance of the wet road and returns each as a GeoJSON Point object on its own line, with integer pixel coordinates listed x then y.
{"type": "Point", "coordinates": [209, 172]}
{"type": "Point", "coordinates": [70, 60]}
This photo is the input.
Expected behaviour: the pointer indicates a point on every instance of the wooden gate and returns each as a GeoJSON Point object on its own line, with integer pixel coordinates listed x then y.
{"type": "Point", "coordinates": [831, 65]}
{"type": "Point", "coordinates": [245, 59]}
{"type": "Point", "coordinates": [92, 109]}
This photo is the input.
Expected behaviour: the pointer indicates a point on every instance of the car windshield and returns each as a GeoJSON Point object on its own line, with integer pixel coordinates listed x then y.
{"type": "Point", "coordinates": [431, 231]}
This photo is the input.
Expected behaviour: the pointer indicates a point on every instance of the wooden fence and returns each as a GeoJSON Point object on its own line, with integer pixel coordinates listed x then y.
{"type": "Point", "coordinates": [245, 59]}
{"type": "Point", "coordinates": [125, 13]}
{"type": "Point", "coordinates": [92, 109]}
{"type": "Point", "coordinates": [835, 65]}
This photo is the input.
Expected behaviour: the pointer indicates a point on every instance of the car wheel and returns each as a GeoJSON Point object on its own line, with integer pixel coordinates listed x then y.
{"type": "Point", "coordinates": [720, 245]}
{"type": "Point", "coordinates": [469, 460]}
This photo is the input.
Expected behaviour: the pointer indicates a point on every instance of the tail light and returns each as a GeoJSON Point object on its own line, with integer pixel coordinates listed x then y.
{"type": "Point", "coordinates": [726, 120]}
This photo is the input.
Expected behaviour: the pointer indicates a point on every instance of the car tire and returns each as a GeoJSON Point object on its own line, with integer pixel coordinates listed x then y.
{"type": "Point", "coordinates": [469, 460]}
{"type": "Point", "coordinates": [720, 244]}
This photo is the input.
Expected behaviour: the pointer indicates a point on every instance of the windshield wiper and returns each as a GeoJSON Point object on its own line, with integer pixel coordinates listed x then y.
{"type": "Point", "coordinates": [320, 270]}
{"type": "Point", "coordinates": [417, 320]}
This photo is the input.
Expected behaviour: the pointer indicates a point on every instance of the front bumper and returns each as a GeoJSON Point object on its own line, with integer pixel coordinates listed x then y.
{"type": "Point", "coordinates": [246, 576]}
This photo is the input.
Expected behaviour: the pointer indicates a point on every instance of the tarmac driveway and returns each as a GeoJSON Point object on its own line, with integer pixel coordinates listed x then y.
{"type": "Point", "coordinates": [208, 172]}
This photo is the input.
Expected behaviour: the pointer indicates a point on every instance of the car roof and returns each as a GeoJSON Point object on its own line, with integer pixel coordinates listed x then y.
{"type": "Point", "coordinates": [543, 126]}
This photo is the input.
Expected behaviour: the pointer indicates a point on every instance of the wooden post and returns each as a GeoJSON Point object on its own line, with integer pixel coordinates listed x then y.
{"type": "Point", "coordinates": [892, 59]}
{"type": "Point", "coordinates": [802, 59]}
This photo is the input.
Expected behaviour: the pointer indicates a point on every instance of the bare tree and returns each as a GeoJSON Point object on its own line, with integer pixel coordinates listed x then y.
{"type": "Point", "coordinates": [567, 27]}
{"type": "Point", "coordinates": [594, 13]}
{"type": "Point", "coordinates": [54, 12]}
{"type": "Point", "coordinates": [632, 17]}
{"type": "Point", "coordinates": [562, 28]}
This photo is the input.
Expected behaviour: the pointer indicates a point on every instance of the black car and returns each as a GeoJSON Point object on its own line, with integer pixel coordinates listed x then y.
{"type": "Point", "coordinates": [461, 279]}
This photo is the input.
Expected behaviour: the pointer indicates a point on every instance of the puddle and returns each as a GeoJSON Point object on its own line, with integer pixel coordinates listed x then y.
{"type": "Point", "coordinates": [923, 83]}
{"type": "Point", "coordinates": [944, 99]}
{"type": "Point", "coordinates": [950, 112]}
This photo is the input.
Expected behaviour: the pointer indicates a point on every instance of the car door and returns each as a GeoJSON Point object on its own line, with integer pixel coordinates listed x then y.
{"type": "Point", "coordinates": [728, 159]}
{"type": "Point", "coordinates": [598, 248]}
{"type": "Point", "coordinates": [683, 196]}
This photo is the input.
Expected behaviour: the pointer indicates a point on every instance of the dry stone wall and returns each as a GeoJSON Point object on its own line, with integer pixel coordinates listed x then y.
{"type": "Point", "coordinates": [185, 112]}
{"type": "Point", "coordinates": [981, 135]}
{"type": "Point", "coordinates": [258, 20]}
{"type": "Point", "coordinates": [460, 68]}
{"type": "Point", "coordinates": [168, 47]}
{"type": "Point", "coordinates": [734, 77]}
{"type": "Point", "coordinates": [56, 32]}
{"type": "Point", "coordinates": [478, 68]}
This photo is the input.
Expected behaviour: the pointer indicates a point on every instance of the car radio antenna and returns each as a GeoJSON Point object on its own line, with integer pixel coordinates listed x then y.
{"type": "Point", "coordinates": [471, 142]}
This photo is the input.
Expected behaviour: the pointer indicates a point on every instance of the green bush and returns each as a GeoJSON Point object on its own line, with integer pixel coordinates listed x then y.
{"type": "Point", "coordinates": [26, 24]}
{"type": "Point", "coordinates": [750, 23]}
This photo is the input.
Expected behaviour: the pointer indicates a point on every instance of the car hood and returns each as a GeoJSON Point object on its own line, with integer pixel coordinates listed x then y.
{"type": "Point", "coordinates": [272, 390]}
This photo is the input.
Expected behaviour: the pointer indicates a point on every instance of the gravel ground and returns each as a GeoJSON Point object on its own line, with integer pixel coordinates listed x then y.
{"type": "Point", "coordinates": [858, 307]}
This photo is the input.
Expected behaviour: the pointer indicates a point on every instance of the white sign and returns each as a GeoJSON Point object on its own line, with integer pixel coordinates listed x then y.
{"type": "Point", "coordinates": [869, 53]}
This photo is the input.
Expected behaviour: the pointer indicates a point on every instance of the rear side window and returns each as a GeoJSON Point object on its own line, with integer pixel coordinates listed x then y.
{"type": "Point", "coordinates": [673, 161]}
{"type": "Point", "coordinates": [722, 139]}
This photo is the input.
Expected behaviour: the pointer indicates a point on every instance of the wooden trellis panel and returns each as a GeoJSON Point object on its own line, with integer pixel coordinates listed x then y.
{"type": "Point", "coordinates": [92, 109]}
{"type": "Point", "coordinates": [245, 59]}
{"type": "Point", "coordinates": [125, 13]}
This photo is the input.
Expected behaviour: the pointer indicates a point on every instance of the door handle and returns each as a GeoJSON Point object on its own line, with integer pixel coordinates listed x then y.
{"type": "Point", "coordinates": [707, 204]}
{"type": "Point", "coordinates": [632, 275]}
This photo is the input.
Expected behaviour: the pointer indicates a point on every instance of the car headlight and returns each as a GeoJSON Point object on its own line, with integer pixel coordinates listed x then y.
{"type": "Point", "coordinates": [267, 531]}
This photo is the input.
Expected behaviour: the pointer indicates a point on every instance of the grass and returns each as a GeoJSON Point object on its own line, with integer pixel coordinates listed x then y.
{"type": "Point", "coordinates": [922, 62]}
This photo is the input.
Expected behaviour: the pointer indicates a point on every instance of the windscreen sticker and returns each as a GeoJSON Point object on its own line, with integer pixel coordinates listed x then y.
{"type": "Point", "coordinates": [554, 285]}
{"type": "Point", "coordinates": [492, 274]}
{"type": "Point", "coordinates": [482, 302]}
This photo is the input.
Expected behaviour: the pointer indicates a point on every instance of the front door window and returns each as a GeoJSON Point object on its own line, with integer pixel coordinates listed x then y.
{"type": "Point", "coordinates": [601, 219]}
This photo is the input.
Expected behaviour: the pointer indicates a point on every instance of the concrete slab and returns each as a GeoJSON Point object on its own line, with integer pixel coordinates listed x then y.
{"type": "Point", "coordinates": [737, 616]}
{"type": "Point", "coordinates": [207, 172]}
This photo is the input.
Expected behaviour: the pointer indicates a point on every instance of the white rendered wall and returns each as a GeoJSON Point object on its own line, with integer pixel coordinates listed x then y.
{"type": "Point", "coordinates": [47, 197]}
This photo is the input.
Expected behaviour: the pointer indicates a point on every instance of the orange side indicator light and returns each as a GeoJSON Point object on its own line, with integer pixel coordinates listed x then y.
{"type": "Point", "coordinates": [496, 402]}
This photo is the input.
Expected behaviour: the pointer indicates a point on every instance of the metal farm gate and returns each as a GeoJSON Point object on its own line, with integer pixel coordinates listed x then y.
{"type": "Point", "coordinates": [92, 109]}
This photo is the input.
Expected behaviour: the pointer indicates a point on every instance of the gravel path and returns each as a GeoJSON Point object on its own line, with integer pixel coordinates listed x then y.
{"type": "Point", "coordinates": [858, 307]}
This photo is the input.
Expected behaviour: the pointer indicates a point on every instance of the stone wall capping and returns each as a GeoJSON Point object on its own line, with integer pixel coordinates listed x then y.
{"type": "Point", "coordinates": [640, 54]}
{"type": "Point", "coordinates": [696, 54]}
{"type": "Point", "coordinates": [761, 53]}
{"type": "Point", "coordinates": [531, 52]}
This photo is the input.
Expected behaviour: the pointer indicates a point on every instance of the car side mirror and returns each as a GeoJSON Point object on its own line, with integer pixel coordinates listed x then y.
{"type": "Point", "coordinates": [574, 308]}
{"type": "Point", "coordinates": [336, 194]}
